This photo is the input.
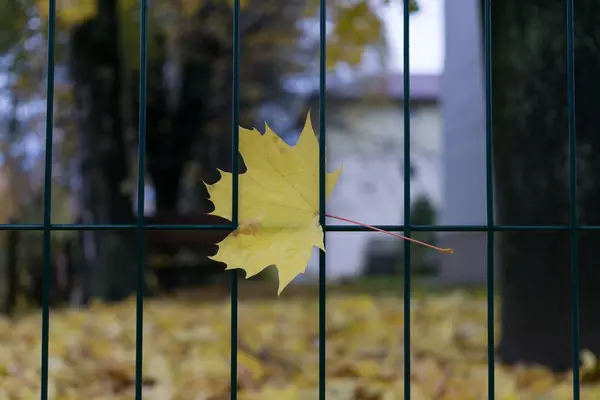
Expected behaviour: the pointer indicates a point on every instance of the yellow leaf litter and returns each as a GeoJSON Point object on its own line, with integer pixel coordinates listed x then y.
{"type": "Point", "coordinates": [186, 352]}
{"type": "Point", "coordinates": [278, 204]}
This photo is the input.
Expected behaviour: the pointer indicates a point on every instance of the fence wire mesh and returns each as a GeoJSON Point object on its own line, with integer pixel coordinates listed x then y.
{"type": "Point", "coordinates": [140, 227]}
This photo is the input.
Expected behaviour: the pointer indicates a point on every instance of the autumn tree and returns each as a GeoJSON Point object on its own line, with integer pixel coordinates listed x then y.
{"type": "Point", "coordinates": [532, 177]}
{"type": "Point", "coordinates": [188, 103]}
{"type": "Point", "coordinates": [23, 70]}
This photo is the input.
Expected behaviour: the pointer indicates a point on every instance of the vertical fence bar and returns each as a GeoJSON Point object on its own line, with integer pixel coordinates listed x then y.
{"type": "Point", "coordinates": [573, 212]}
{"type": "Point", "coordinates": [46, 269]}
{"type": "Point", "coordinates": [407, 200]}
{"type": "Point", "coordinates": [489, 177]}
{"type": "Point", "coordinates": [235, 144]}
{"type": "Point", "coordinates": [139, 310]}
{"type": "Point", "coordinates": [322, 194]}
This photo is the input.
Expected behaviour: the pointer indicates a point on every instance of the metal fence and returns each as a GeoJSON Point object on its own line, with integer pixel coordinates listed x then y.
{"type": "Point", "coordinates": [139, 227]}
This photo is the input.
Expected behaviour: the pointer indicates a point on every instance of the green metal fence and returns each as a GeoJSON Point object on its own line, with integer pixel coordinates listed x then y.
{"type": "Point", "coordinates": [47, 227]}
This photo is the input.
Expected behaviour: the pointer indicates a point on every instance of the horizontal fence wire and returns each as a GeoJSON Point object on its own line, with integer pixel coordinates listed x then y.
{"type": "Point", "coordinates": [141, 227]}
{"type": "Point", "coordinates": [328, 228]}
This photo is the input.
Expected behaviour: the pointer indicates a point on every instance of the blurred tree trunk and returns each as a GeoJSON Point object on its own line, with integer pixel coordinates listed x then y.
{"type": "Point", "coordinates": [176, 130]}
{"type": "Point", "coordinates": [196, 126]}
{"type": "Point", "coordinates": [109, 257]}
{"type": "Point", "coordinates": [531, 174]}
{"type": "Point", "coordinates": [170, 128]}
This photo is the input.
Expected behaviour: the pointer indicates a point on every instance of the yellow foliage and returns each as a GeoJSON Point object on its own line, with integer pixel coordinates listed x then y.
{"type": "Point", "coordinates": [71, 12]}
{"type": "Point", "coordinates": [357, 27]}
{"type": "Point", "coordinates": [186, 352]}
{"type": "Point", "coordinates": [278, 204]}
{"type": "Point", "coordinates": [357, 24]}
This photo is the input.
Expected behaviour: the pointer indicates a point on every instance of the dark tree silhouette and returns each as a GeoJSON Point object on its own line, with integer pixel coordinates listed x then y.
{"type": "Point", "coordinates": [195, 128]}
{"type": "Point", "coordinates": [531, 173]}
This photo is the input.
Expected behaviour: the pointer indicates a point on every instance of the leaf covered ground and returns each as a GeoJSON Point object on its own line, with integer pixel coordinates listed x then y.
{"type": "Point", "coordinates": [186, 352]}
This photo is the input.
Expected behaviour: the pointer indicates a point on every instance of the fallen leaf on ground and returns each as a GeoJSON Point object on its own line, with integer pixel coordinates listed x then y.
{"type": "Point", "coordinates": [187, 353]}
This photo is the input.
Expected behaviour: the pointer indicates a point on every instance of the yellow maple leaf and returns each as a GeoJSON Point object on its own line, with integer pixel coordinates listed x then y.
{"type": "Point", "coordinates": [278, 204]}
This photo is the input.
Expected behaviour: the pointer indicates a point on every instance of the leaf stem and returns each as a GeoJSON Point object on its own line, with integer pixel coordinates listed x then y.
{"type": "Point", "coordinates": [440, 249]}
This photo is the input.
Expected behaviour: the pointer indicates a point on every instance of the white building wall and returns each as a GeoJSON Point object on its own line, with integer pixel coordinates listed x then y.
{"type": "Point", "coordinates": [369, 147]}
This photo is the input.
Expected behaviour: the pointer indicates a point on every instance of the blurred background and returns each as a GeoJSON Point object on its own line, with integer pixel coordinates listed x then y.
{"type": "Point", "coordinates": [189, 86]}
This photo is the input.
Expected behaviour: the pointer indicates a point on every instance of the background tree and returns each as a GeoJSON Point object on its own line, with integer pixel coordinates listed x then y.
{"type": "Point", "coordinates": [531, 173]}
{"type": "Point", "coordinates": [21, 171]}
{"type": "Point", "coordinates": [189, 99]}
